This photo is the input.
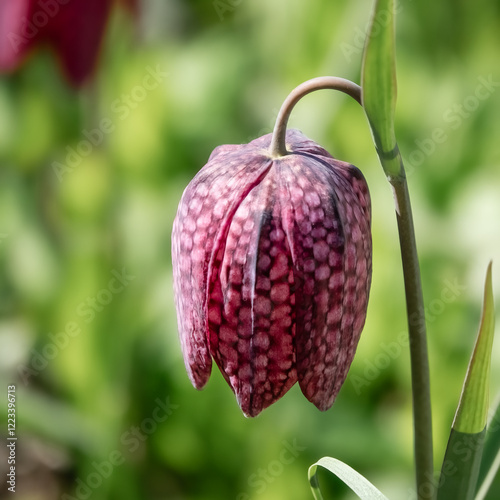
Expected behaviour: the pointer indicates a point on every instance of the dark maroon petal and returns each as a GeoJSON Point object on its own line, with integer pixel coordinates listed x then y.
{"type": "Point", "coordinates": [200, 227]}
{"type": "Point", "coordinates": [13, 40]}
{"type": "Point", "coordinates": [354, 208]}
{"type": "Point", "coordinates": [251, 308]}
{"type": "Point", "coordinates": [74, 30]}
{"type": "Point", "coordinates": [317, 236]}
{"type": "Point", "coordinates": [331, 238]}
{"type": "Point", "coordinates": [76, 33]}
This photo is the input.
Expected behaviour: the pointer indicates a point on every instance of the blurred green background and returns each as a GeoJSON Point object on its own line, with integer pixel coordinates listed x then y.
{"type": "Point", "coordinates": [104, 406]}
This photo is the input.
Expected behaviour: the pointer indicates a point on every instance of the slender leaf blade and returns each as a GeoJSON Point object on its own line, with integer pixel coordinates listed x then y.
{"type": "Point", "coordinates": [358, 483]}
{"type": "Point", "coordinates": [378, 84]}
{"type": "Point", "coordinates": [472, 412]}
{"type": "Point", "coordinates": [460, 469]}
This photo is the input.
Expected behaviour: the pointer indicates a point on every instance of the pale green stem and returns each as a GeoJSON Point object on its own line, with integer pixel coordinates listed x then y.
{"type": "Point", "coordinates": [422, 416]}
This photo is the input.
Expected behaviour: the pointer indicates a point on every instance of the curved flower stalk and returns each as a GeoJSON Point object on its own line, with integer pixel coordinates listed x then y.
{"type": "Point", "coordinates": [272, 270]}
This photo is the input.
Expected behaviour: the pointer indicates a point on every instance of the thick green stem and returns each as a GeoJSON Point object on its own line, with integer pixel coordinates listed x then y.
{"type": "Point", "coordinates": [422, 418]}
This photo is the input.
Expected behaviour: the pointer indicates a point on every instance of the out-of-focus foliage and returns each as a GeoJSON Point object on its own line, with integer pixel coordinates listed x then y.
{"type": "Point", "coordinates": [89, 184]}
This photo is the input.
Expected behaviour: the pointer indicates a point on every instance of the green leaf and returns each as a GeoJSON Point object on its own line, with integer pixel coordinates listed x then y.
{"type": "Point", "coordinates": [378, 85]}
{"type": "Point", "coordinates": [460, 469]}
{"type": "Point", "coordinates": [490, 463]}
{"type": "Point", "coordinates": [472, 412]}
{"type": "Point", "coordinates": [358, 484]}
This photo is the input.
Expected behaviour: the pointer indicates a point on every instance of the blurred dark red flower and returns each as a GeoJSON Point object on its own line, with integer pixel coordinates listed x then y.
{"type": "Point", "coordinates": [73, 28]}
{"type": "Point", "coordinates": [272, 270]}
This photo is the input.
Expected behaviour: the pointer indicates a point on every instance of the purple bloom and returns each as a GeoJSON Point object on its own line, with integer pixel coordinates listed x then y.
{"type": "Point", "coordinates": [272, 270]}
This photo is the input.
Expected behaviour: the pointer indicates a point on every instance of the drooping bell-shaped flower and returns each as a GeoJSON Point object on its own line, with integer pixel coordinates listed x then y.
{"type": "Point", "coordinates": [272, 270]}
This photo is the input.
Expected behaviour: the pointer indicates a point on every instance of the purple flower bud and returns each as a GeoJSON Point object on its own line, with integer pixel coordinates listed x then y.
{"type": "Point", "coordinates": [272, 270]}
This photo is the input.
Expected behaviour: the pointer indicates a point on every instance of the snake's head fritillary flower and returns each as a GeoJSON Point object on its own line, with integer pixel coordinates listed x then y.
{"type": "Point", "coordinates": [272, 270]}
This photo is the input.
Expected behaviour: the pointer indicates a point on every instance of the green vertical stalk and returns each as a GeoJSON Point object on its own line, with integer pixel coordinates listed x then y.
{"type": "Point", "coordinates": [379, 89]}
{"type": "Point", "coordinates": [393, 166]}
{"type": "Point", "coordinates": [422, 417]}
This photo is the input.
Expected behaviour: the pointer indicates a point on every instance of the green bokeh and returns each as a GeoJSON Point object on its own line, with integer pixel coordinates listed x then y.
{"type": "Point", "coordinates": [100, 379]}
